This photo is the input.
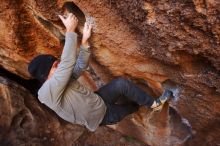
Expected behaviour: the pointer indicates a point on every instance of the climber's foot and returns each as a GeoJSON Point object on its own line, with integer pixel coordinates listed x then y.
{"type": "Point", "coordinates": [171, 86]}
{"type": "Point", "coordinates": [167, 95]}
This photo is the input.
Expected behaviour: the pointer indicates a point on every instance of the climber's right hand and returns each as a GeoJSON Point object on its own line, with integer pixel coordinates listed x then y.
{"type": "Point", "coordinates": [70, 22]}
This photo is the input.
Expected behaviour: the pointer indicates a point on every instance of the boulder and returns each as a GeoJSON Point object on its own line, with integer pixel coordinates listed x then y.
{"type": "Point", "coordinates": [147, 41]}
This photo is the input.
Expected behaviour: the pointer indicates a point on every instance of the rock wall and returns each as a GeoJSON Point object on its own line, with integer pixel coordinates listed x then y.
{"type": "Point", "coordinates": [146, 41]}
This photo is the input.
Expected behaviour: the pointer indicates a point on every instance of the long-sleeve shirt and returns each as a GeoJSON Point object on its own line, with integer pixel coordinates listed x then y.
{"type": "Point", "coordinates": [62, 92]}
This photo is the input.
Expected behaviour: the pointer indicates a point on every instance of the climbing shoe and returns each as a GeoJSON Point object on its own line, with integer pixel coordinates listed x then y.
{"type": "Point", "coordinates": [167, 94]}
{"type": "Point", "coordinates": [171, 86]}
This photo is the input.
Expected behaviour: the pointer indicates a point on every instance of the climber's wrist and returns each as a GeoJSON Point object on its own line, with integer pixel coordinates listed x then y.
{"type": "Point", "coordinates": [85, 44]}
{"type": "Point", "coordinates": [70, 29]}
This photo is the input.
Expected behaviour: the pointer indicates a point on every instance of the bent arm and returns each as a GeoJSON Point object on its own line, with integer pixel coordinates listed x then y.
{"type": "Point", "coordinates": [82, 62]}
{"type": "Point", "coordinates": [51, 91]}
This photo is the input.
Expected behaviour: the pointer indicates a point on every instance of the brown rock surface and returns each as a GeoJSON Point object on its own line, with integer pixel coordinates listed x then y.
{"type": "Point", "coordinates": [147, 41]}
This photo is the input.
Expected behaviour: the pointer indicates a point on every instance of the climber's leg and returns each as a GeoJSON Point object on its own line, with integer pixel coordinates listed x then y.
{"type": "Point", "coordinates": [124, 88]}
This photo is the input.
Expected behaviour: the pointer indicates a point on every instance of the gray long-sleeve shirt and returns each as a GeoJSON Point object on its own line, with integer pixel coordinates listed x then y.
{"type": "Point", "coordinates": [65, 95]}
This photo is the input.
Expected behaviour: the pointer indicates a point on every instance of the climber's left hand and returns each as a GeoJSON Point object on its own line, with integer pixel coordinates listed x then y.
{"type": "Point", "coordinates": [87, 30]}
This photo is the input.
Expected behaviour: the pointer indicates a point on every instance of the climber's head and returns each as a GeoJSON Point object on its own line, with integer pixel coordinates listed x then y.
{"type": "Point", "coordinates": [43, 66]}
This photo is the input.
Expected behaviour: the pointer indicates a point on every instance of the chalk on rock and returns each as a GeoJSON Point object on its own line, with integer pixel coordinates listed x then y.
{"type": "Point", "coordinates": [91, 20]}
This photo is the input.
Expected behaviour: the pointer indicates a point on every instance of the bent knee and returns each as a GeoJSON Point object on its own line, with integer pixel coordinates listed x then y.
{"type": "Point", "coordinates": [121, 81]}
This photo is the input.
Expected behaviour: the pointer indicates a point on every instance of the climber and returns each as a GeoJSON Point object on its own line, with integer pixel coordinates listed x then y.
{"type": "Point", "coordinates": [71, 100]}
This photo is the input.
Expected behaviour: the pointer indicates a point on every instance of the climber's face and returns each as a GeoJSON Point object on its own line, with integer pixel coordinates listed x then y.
{"type": "Point", "coordinates": [53, 68]}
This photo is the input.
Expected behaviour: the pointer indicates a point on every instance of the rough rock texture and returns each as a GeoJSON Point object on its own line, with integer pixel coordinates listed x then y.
{"type": "Point", "coordinates": [147, 41]}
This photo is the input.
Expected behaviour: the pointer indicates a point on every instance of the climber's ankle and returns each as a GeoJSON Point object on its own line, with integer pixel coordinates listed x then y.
{"type": "Point", "coordinates": [154, 104]}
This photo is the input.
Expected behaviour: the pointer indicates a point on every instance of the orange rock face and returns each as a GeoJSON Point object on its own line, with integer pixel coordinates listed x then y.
{"type": "Point", "coordinates": [147, 41]}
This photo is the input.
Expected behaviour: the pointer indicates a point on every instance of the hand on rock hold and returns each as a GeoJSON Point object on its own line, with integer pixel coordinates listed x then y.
{"type": "Point", "coordinates": [70, 22]}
